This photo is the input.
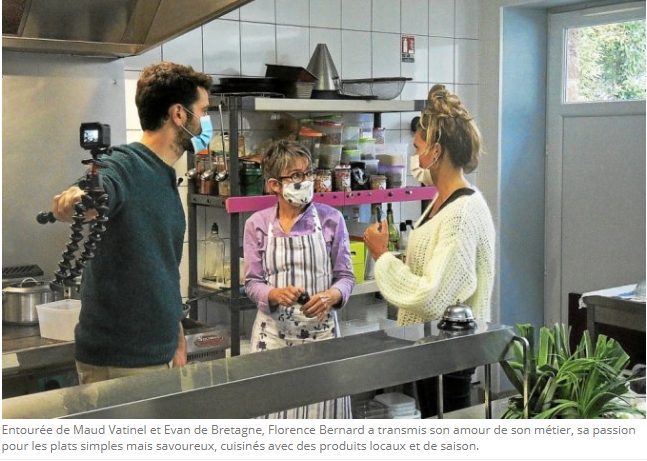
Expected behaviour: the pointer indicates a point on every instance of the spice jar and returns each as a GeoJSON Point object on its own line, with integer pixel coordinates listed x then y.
{"type": "Point", "coordinates": [323, 181]}
{"type": "Point", "coordinates": [378, 182]}
{"type": "Point", "coordinates": [342, 178]}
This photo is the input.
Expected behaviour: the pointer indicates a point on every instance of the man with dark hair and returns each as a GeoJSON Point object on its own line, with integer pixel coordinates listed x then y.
{"type": "Point", "coordinates": [130, 291]}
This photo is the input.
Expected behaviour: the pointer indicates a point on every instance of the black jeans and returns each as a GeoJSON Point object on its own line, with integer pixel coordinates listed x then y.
{"type": "Point", "coordinates": [456, 392]}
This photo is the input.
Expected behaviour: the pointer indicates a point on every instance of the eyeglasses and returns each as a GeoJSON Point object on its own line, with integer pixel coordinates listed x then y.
{"type": "Point", "coordinates": [299, 176]}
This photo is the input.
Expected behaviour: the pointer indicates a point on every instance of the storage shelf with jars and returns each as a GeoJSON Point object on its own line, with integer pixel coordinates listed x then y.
{"type": "Point", "coordinates": [336, 199]}
{"type": "Point", "coordinates": [240, 196]}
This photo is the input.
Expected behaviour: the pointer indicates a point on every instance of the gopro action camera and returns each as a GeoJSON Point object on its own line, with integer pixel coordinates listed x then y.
{"type": "Point", "coordinates": [94, 135]}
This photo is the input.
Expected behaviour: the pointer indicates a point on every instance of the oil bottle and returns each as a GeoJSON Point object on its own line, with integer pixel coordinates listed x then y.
{"type": "Point", "coordinates": [214, 261]}
{"type": "Point", "coordinates": [394, 235]}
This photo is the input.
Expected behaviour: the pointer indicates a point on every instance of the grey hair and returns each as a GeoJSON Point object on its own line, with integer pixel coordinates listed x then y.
{"type": "Point", "coordinates": [281, 155]}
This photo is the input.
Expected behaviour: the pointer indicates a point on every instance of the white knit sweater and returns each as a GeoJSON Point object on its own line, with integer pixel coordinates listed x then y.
{"type": "Point", "coordinates": [449, 259]}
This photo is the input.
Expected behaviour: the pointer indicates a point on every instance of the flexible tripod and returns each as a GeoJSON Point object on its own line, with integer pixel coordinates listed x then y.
{"type": "Point", "coordinates": [95, 197]}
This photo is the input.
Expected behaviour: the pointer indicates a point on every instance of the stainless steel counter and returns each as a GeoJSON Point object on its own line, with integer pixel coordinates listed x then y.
{"type": "Point", "coordinates": [23, 350]}
{"type": "Point", "coordinates": [233, 387]}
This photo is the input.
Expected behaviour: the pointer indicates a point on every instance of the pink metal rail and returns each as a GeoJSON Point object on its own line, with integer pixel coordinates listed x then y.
{"type": "Point", "coordinates": [337, 199]}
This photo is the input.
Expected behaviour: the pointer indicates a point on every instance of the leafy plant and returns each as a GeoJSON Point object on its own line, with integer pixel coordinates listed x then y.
{"type": "Point", "coordinates": [610, 59]}
{"type": "Point", "coordinates": [587, 383]}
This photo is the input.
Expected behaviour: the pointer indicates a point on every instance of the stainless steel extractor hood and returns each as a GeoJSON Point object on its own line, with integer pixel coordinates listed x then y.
{"type": "Point", "coordinates": [108, 28]}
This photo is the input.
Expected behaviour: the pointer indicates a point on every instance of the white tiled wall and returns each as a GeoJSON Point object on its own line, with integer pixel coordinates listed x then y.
{"type": "Point", "coordinates": [363, 37]}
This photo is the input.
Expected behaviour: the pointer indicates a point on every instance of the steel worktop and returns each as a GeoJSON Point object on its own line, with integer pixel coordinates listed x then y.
{"type": "Point", "coordinates": [24, 350]}
{"type": "Point", "coordinates": [232, 387]}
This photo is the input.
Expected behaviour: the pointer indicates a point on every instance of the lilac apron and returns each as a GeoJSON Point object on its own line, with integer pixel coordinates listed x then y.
{"type": "Point", "coordinates": [300, 261]}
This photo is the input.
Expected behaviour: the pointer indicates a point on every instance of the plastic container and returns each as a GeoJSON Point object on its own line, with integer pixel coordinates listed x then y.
{"type": "Point", "coordinates": [349, 156]}
{"type": "Point", "coordinates": [391, 159]}
{"type": "Point", "coordinates": [331, 130]}
{"type": "Point", "coordinates": [311, 139]}
{"type": "Point", "coordinates": [378, 134]}
{"type": "Point", "coordinates": [370, 409]}
{"type": "Point", "coordinates": [371, 166]}
{"type": "Point", "coordinates": [329, 156]}
{"type": "Point", "coordinates": [398, 404]}
{"type": "Point", "coordinates": [394, 175]}
{"type": "Point", "coordinates": [396, 149]}
{"type": "Point", "coordinates": [58, 319]}
{"type": "Point", "coordinates": [350, 136]}
{"type": "Point", "coordinates": [251, 181]}
{"type": "Point", "coordinates": [367, 147]}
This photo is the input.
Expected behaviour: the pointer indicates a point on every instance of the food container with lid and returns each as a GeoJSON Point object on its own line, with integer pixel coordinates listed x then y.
{"type": "Point", "coordinates": [19, 301]}
{"type": "Point", "coordinates": [392, 159]}
{"type": "Point", "coordinates": [394, 175]}
{"type": "Point", "coordinates": [331, 130]}
{"type": "Point", "coordinates": [329, 156]}
{"type": "Point", "coordinates": [311, 139]}
{"type": "Point", "coordinates": [349, 156]}
{"type": "Point", "coordinates": [371, 166]}
{"type": "Point", "coordinates": [399, 405]}
{"type": "Point", "coordinates": [350, 136]}
{"type": "Point", "coordinates": [367, 147]}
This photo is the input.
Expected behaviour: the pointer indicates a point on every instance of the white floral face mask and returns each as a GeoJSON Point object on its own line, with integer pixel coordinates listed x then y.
{"type": "Point", "coordinates": [298, 194]}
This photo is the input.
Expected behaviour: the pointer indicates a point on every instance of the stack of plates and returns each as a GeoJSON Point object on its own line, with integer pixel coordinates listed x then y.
{"type": "Point", "coordinates": [399, 406]}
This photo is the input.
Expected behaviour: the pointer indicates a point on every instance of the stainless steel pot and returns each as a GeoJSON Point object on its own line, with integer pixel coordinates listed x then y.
{"type": "Point", "coordinates": [19, 301]}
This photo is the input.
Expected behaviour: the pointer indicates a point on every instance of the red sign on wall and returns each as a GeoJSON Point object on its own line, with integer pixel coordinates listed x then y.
{"type": "Point", "coordinates": [408, 48]}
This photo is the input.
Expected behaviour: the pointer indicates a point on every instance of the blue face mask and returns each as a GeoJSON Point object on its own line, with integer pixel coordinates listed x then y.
{"type": "Point", "coordinates": [201, 141]}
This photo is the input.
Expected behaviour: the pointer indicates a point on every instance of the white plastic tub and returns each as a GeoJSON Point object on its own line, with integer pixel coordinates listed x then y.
{"type": "Point", "coordinates": [58, 319]}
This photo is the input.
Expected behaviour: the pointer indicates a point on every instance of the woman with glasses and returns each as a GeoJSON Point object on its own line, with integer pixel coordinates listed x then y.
{"type": "Point", "coordinates": [298, 267]}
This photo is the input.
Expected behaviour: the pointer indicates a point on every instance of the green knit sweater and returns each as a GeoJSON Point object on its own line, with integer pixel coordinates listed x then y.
{"type": "Point", "coordinates": [130, 292]}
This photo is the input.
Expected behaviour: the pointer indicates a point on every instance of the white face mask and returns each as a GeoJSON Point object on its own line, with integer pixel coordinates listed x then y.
{"type": "Point", "coordinates": [419, 173]}
{"type": "Point", "coordinates": [298, 194]}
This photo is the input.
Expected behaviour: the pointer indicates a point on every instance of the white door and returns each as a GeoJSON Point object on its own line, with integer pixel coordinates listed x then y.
{"type": "Point", "coordinates": [595, 166]}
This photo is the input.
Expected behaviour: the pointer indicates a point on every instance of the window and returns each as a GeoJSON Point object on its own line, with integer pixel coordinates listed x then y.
{"type": "Point", "coordinates": [606, 62]}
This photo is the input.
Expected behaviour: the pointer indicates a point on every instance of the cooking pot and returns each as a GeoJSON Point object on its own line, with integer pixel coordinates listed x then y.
{"type": "Point", "coordinates": [19, 301]}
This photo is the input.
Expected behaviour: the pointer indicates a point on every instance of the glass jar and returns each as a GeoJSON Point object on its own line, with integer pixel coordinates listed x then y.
{"type": "Point", "coordinates": [323, 181]}
{"type": "Point", "coordinates": [342, 178]}
{"type": "Point", "coordinates": [378, 182]}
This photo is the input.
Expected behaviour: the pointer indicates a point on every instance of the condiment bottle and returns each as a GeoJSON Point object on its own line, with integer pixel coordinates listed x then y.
{"type": "Point", "coordinates": [394, 236]}
{"type": "Point", "coordinates": [214, 260]}
{"type": "Point", "coordinates": [404, 237]}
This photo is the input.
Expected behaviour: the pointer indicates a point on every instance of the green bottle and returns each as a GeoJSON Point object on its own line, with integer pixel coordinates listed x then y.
{"type": "Point", "coordinates": [394, 235]}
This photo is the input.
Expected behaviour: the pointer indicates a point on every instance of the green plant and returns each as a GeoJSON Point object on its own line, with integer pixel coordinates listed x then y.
{"type": "Point", "coordinates": [611, 60]}
{"type": "Point", "coordinates": [587, 383]}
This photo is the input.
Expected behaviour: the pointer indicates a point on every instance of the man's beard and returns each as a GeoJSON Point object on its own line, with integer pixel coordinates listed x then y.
{"type": "Point", "coordinates": [183, 141]}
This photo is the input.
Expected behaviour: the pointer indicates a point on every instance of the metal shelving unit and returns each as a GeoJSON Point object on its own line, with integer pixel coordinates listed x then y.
{"type": "Point", "coordinates": [234, 298]}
